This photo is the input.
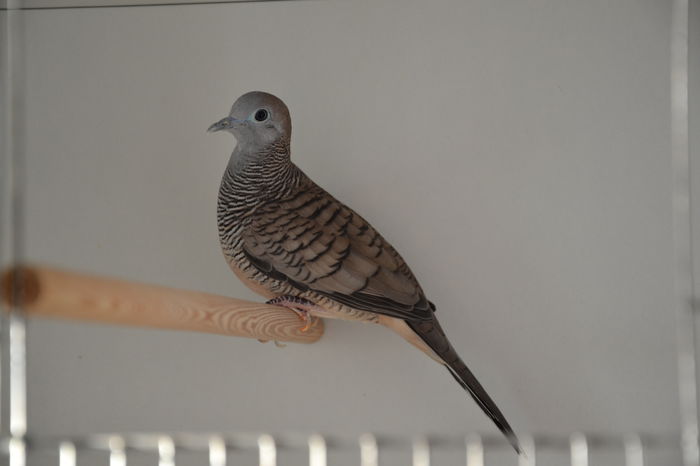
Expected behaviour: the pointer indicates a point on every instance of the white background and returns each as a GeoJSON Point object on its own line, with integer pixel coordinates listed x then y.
{"type": "Point", "coordinates": [517, 154]}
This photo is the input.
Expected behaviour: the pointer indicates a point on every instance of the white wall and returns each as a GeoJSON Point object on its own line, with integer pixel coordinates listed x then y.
{"type": "Point", "coordinates": [516, 153]}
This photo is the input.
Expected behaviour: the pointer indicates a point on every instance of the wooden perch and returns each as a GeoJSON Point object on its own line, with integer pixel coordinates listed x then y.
{"type": "Point", "coordinates": [48, 292]}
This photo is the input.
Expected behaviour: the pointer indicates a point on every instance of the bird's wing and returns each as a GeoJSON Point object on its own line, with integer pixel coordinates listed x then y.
{"type": "Point", "coordinates": [315, 242]}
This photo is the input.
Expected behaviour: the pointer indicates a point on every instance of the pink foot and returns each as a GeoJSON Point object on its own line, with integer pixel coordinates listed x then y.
{"type": "Point", "coordinates": [300, 306]}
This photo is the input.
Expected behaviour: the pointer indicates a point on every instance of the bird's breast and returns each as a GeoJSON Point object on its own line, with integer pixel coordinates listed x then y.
{"type": "Point", "coordinates": [237, 199]}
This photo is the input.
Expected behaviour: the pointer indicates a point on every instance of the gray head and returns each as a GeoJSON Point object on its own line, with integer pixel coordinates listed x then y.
{"type": "Point", "coordinates": [257, 119]}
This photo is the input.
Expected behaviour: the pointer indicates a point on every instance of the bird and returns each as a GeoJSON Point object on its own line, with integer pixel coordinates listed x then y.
{"type": "Point", "coordinates": [295, 244]}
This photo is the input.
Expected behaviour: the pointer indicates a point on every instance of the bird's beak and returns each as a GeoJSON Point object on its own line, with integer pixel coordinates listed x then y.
{"type": "Point", "coordinates": [224, 123]}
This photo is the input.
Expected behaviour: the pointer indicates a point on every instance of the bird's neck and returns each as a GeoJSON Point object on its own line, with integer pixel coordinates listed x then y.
{"type": "Point", "coordinates": [271, 156]}
{"type": "Point", "coordinates": [263, 170]}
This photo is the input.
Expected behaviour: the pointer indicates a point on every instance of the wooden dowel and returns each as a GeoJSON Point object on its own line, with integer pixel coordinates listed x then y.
{"type": "Point", "coordinates": [49, 292]}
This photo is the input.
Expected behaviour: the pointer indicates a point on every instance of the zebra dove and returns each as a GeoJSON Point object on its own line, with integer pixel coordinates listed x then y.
{"type": "Point", "coordinates": [294, 243]}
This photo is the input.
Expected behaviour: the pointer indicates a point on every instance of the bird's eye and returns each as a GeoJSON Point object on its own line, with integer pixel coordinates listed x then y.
{"type": "Point", "coordinates": [261, 115]}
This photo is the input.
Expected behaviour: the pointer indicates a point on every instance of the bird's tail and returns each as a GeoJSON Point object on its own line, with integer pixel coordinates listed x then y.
{"type": "Point", "coordinates": [433, 336]}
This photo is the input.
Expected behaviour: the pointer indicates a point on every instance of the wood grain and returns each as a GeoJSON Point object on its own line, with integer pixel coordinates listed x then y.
{"type": "Point", "coordinates": [49, 292]}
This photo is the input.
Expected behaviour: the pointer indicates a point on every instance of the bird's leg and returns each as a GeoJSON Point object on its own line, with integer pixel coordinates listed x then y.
{"type": "Point", "coordinates": [301, 306]}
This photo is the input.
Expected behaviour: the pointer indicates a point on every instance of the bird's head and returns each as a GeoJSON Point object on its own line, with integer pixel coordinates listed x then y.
{"type": "Point", "coordinates": [257, 119]}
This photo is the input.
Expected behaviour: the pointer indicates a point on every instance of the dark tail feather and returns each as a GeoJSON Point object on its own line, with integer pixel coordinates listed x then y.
{"type": "Point", "coordinates": [432, 334]}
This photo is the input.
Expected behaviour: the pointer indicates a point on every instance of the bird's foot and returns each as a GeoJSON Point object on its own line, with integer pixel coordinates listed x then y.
{"type": "Point", "coordinates": [300, 306]}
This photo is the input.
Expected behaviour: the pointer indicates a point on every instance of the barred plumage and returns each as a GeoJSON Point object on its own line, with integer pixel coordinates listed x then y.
{"type": "Point", "coordinates": [287, 238]}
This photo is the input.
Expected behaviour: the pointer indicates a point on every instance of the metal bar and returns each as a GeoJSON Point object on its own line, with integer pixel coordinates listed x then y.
{"type": "Point", "coordinates": [267, 450]}
{"type": "Point", "coordinates": [18, 451]}
{"type": "Point", "coordinates": [66, 454]}
{"type": "Point", "coordinates": [168, 445]}
{"type": "Point", "coordinates": [117, 451]}
{"type": "Point", "coordinates": [682, 233]}
{"type": "Point", "coordinates": [166, 451]}
{"type": "Point", "coordinates": [18, 375]}
{"type": "Point", "coordinates": [91, 4]}
{"type": "Point", "coordinates": [369, 453]}
{"type": "Point", "coordinates": [579, 450]}
{"type": "Point", "coordinates": [317, 451]}
{"type": "Point", "coordinates": [634, 451]}
{"type": "Point", "coordinates": [16, 322]}
{"type": "Point", "coordinates": [528, 456]}
{"type": "Point", "coordinates": [475, 451]}
{"type": "Point", "coordinates": [217, 451]}
{"type": "Point", "coordinates": [6, 187]}
{"type": "Point", "coordinates": [16, 345]}
{"type": "Point", "coordinates": [421, 451]}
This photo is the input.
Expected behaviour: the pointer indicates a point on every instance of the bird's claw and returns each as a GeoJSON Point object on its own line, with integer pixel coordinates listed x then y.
{"type": "Point", "coordinates": [305, 317]}
{"type": "Point", "coordinates": [300, 307]}
{"type": "Point", "coordinates": [309, 322]}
